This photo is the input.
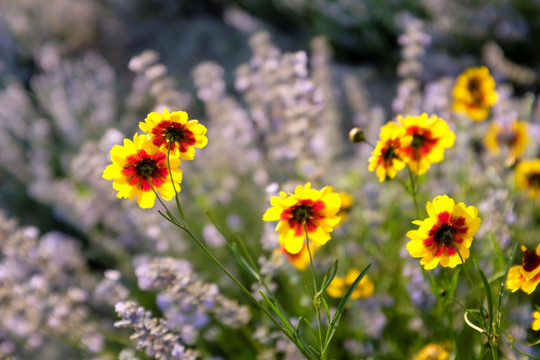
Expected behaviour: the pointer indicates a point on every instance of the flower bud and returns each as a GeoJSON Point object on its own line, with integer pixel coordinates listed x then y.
{"type": "Point", "coordinates": [356, 135]}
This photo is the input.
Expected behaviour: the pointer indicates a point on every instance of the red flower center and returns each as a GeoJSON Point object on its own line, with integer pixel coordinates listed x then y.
{"type": "Point", "coordinates": [142, 167]}
{"type": "Point", "coordinates": [531, 260]}
{"type": "Point", "coordinates": [447, 232]}
{"type": "Point", "coordinates": [534, 180]}
{"type": "Point", "coordinates": [473, 85]}
{"type": "Point", "coordinates": [304, 212]}
{"type": "Point", "coordinates": [146, 168]}
{"type": "Point", "coordinates": [175, 134]}
{"type": "Point", "coordinates": [301, 213]}
{"type": "Point", "coordinates": [444, 234]}
{"type": "Point", "coordinates": [422, 143]}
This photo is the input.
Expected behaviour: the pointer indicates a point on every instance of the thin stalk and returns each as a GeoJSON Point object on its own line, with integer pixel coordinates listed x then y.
{"type": "Point", "coordinates": [218, 263]}
{"type": "Point", "coordinates": [176, 196]}
{"type": "Point", "coordinates": [316, 299]}
{"type": "Point", "coordinates": [414, 189]}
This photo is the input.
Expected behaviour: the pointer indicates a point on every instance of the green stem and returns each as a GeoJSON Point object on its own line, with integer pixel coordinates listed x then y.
{"type": "Point", "coordinates": [316, 298]}
{"type": "Point", "coordinates": [176, 196]}
{"type": "Point", "coordinates": [414, 190]}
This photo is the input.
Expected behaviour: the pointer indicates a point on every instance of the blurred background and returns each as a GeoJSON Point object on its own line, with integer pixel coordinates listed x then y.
{"type": "Point", "coordinates": [77, 76]}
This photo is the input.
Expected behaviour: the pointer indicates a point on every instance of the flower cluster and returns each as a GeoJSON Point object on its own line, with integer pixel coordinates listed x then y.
{"type": "Point", "coordinates": [150, 163]}
{"type": "Point", "coordinates": [415, 141]}
{"type": "Point", "coordinates": [474, 93]}
{"type": "Point", "coordinates": [527, 275]}
{"type": "Point", "coordinates": [446, 235]}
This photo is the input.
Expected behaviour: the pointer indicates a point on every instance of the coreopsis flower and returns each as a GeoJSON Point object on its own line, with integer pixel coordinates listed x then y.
{"type": "Point", "coordinates": [528, 176]}
{"type": "Point", "coordinates": [388, 156]}
{"type": "Point", "coordinates": [536, 321]}
{"type": "Point", "coordinates": [299, 260]}
{"type": "Point", "coordinates": [316, 210]}
{"type": "Point", "coordinates": [448, 229]}
{"type": "Point", "coordinates": [433, 352]}
{"type": "Point", "coordinates": [512, 137]}
{"type": "Point", "coordinates": [346, 205]}
{"type": "Point", "coordinates": [339, 286]}
{"type": "Point", "coordinates": [430, 136]}
{"type": "Point", "coordinates": [139, 166]}
{"type": "Point", "coordinates": [527, 275]}
{"type": "Point", "coordinates": [474, 93]}
{"type": "Point", "coordinates": [175, 130]}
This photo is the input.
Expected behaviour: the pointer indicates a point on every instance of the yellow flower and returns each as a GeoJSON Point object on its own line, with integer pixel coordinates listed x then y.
{"type": "Point", "coordinates": [430, 136]}
{"type": "Point", "coordinates": [346, 205]}
{"type": "Point", "coordinates": [536, 321]}
{"type": "Point", "coordinates": [137, 167]}
{"type": "Point", "coordinates": [339, 286]}
{"type": "Point", "coordinates": [314, 209]}
{"type": "Point", "coordinates": [513, 137]}
{"type": "Point", "coordinates": [388, 156]}
{"type": "Point", "coordinates": [433, 352]}
{"type": "Point", "coordinates": [450, 226]}
{"type": "Point", "coordinates": [527, 275]}
{"type": "Point", "coordinates": [474, 93]}
{"type": "Point", "coordinates": [175, 129]}
{"type": "Point", "coordinates": [528, 177]}
{"type": "Point", "coordinates": [301, 259]}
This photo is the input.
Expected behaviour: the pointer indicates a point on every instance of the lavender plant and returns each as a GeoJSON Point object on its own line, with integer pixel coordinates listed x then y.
{"type": "Point", "coordinates": [265, 217]}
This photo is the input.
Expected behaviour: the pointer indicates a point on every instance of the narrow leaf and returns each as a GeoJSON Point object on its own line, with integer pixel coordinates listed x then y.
{"type": "Point", "coordinates": [341, 307]}
{"type": "Point", "coordinates": [489, 295]}
{"type": "Point", "coordinates": [284, 320]}
{"type": "Point", "coordinates": [503, 283]}
{"type": "Point", "coordinates": [242, 261]}
{"type": "Point", "coordinates": [328, 277]}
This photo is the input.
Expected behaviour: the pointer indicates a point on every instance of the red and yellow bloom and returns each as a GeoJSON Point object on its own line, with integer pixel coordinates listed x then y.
{"type": "Point", "coordinates": [512, 137]}
{"type": "Point", "coordinates": [450, 226]}
{"type": "Point", "coordinates": [339, 286]}
{"type": "Point", "coordinates": [388, 156]}
{"type": "Point", "coordinates": [175, 130]}
{"type": "Point", "coordinates": [313, 209]}
{"type": "Point", "coordinates": [528, 177]}
{"type": "Point", "coordinates": [527, 275]}
{"type": "Point", "coordinates": [137, 167]}
{"type": "Point", "coordinates": [474, 93]}
{"type": "Point", "coordinates": [430, 136]}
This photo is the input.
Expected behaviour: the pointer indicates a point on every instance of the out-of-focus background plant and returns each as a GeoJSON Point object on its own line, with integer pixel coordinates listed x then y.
{"type": "Point", "coordinates": [278, 84]}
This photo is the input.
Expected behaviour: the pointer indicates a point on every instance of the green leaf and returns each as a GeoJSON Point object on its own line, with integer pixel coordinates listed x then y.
{"type": "Point", "coordinates": [341, 307]}
{"type": "Point", "coordinates": [328, 277]}
{"type": "Point", "coordinates": [242, 261]}
{"type": "Point", "coordinates": [489, 295]}
{"type": "Point", "coordinates": [284, 319]}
